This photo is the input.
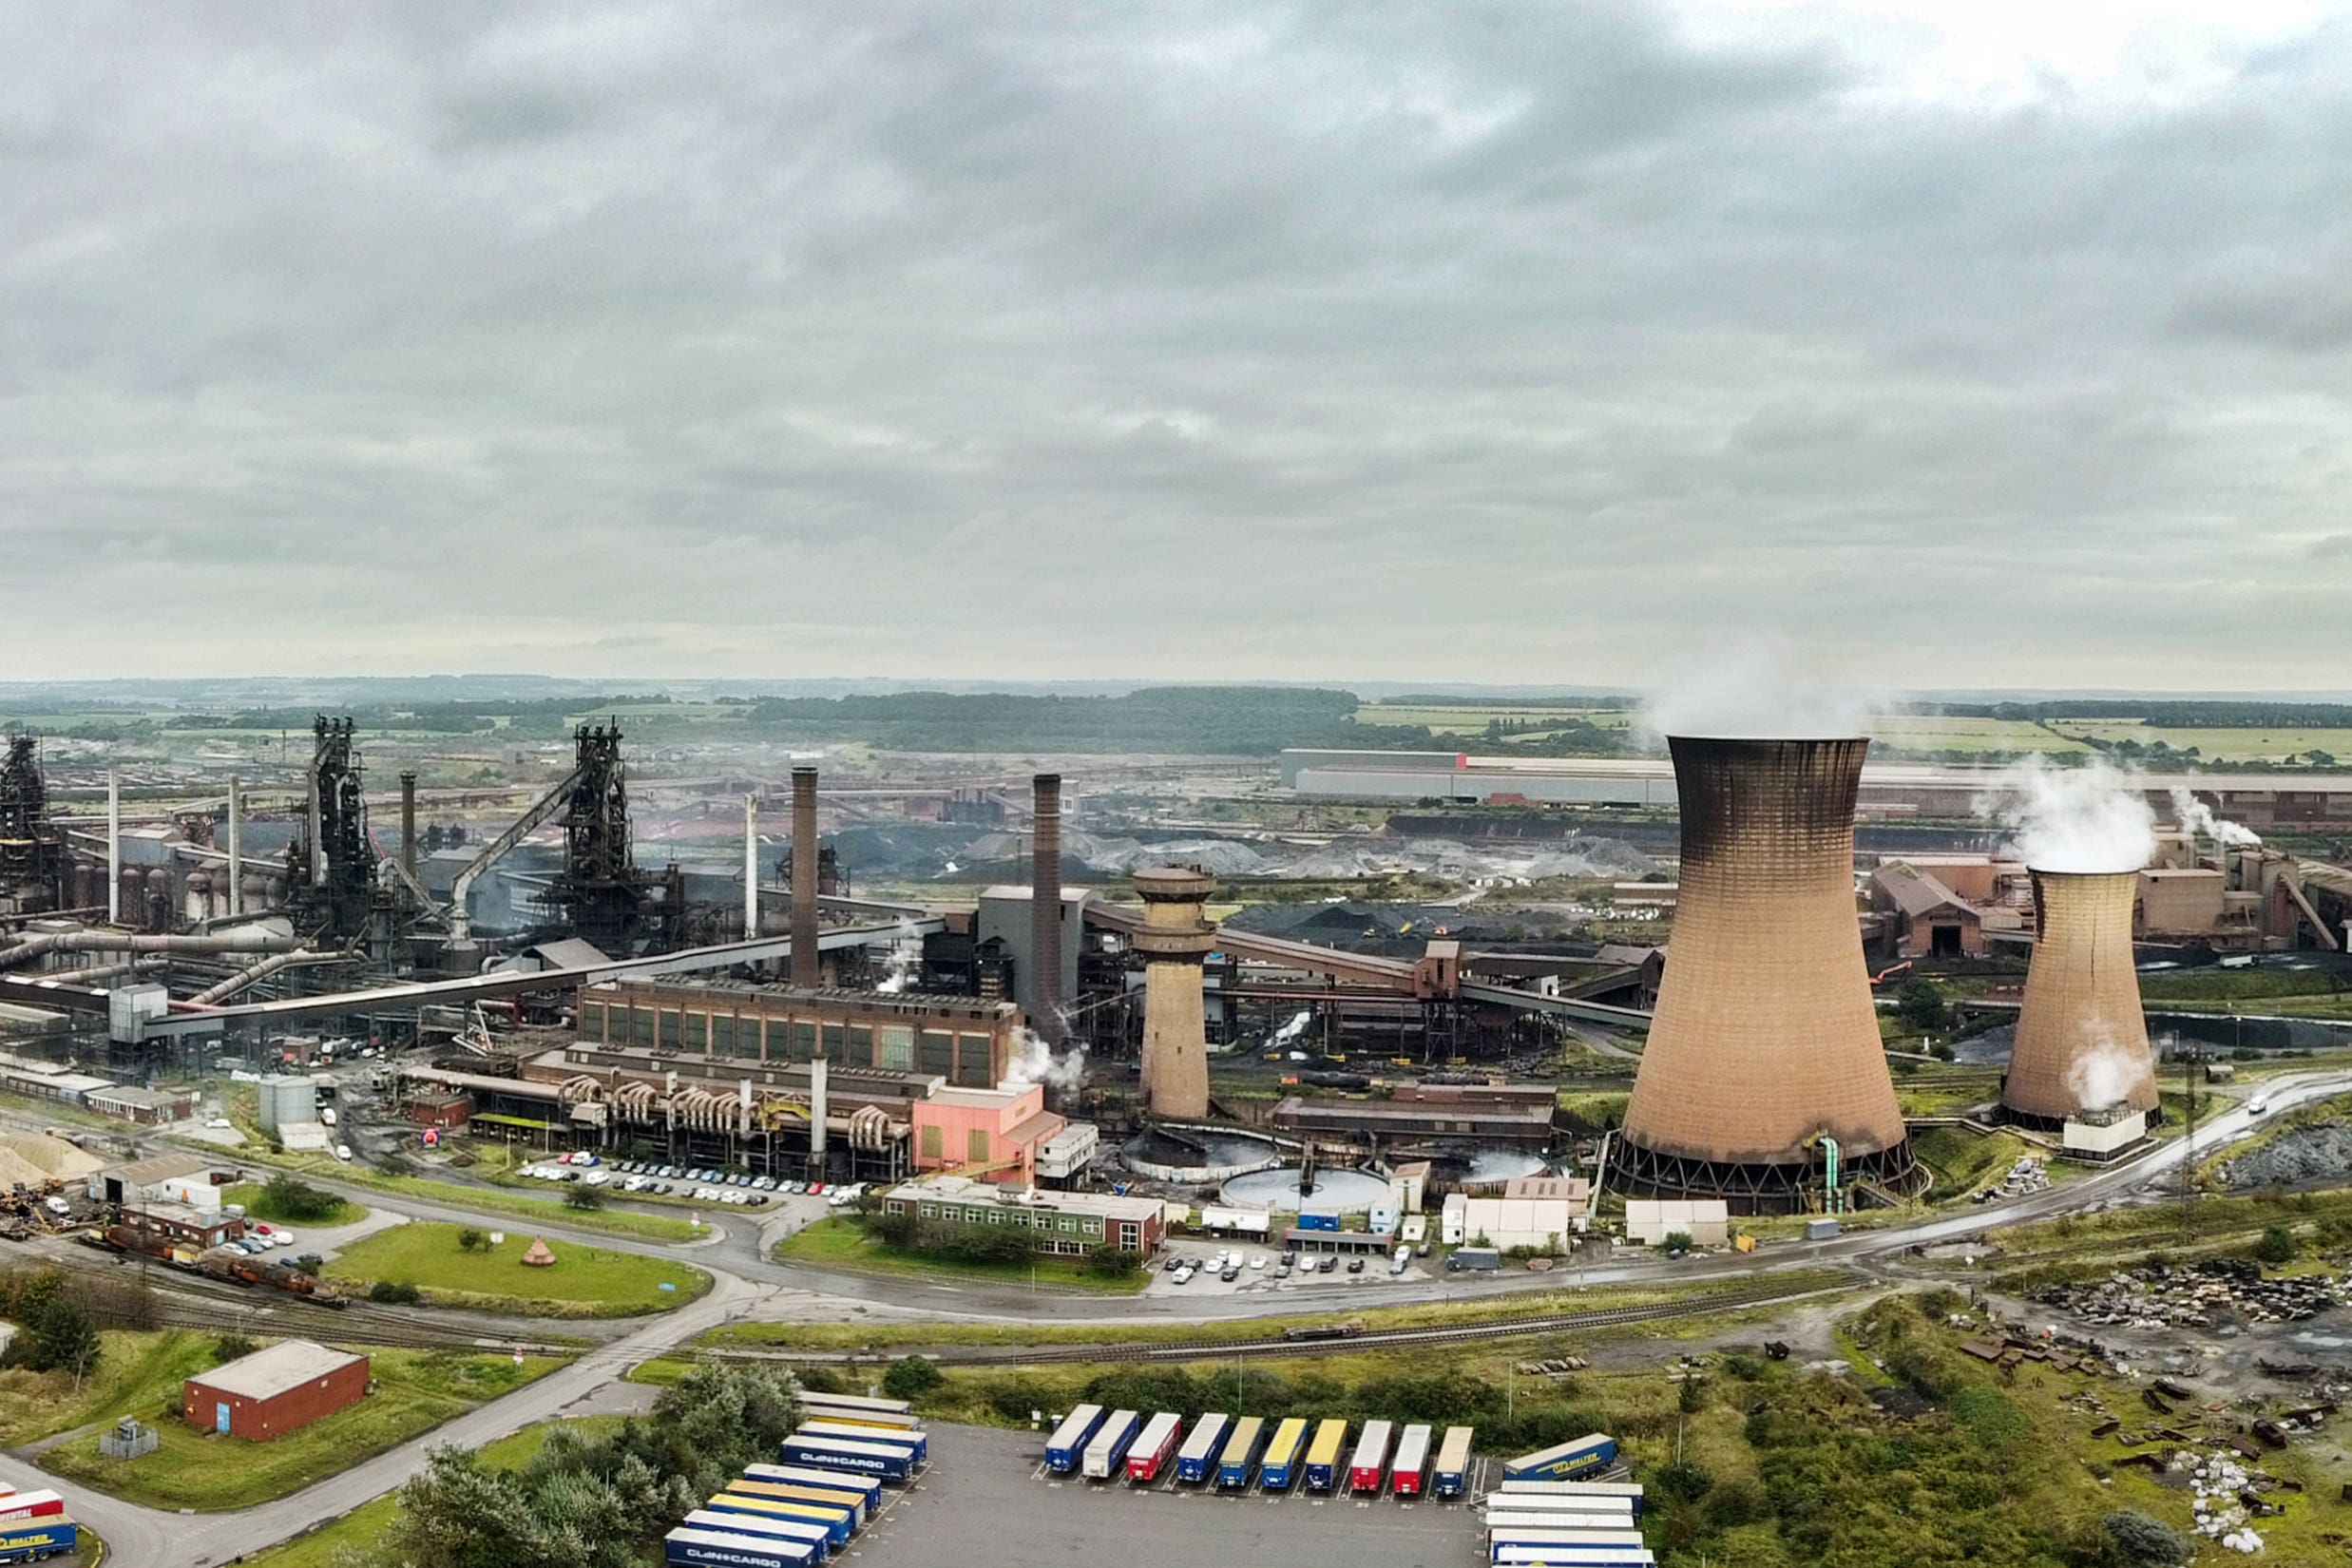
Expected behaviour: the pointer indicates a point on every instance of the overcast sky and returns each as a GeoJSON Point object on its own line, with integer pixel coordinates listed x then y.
{"type": "Point", "coordinates": [1470, 341]}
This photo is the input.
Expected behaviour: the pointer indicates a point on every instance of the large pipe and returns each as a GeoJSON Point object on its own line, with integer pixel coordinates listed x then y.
{"type": "Point", "coordinates": [806, 972]}
{"type": "Point", "coordinates": [817, 1097]}
{"type": "Point", "coordinates": [237, 848]}
{"type": "Point", "coordinates": [408, 821]}
{"type": "Point", "coordinates": [253, 973]}
{"type": "Point", "coordinates": [252, 939]}
{"type": "Point", "coordinates": [751, 865]}
{"type": "Point", "coordinates": [114, 848]}
{"type": "Point", "coordinates": [1045, 909]}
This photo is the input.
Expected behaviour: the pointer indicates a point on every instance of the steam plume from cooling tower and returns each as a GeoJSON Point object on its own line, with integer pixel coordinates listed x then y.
{"type": "Point", "coordinates": [2092, 818]}
{"type": "Point", "coordinates": [2107, 1069]}
{"type": "Point", "coordinates": [2198, 817]}
{"type": "Point", "coordinates": [1752, 688]}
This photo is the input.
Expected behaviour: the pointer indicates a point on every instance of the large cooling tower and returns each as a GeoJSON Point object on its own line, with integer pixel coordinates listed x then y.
{"type": "Point", "coordinates": [1764, 1037]}
{"type": "Point", "coordinates": [2082, 1040]}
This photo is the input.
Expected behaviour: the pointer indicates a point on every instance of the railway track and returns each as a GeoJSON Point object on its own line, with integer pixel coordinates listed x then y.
{"type": "Point", "coordinates": [1759, 1294]}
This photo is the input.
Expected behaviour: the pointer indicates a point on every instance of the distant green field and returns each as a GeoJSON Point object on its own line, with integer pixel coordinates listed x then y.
{"type": "Point", "coordinates": [1950, 733]}
{"type": "Point", "coordinates": [1471, 718]}
{"type": "Point", "coordinates": [2224, 745]}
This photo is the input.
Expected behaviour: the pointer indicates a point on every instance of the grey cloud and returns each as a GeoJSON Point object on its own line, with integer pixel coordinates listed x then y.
{"type": "Point", "coordinates": [824, 339]}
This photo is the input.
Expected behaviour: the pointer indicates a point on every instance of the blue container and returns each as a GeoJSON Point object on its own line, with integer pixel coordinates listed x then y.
{"type": "Point", "coordinates": [1318, 1219]}
{"type": "Point", "coordinates": [833, 1522]}
{"type": "Point", "coordinates": [1068, 1444]}
{"type": "Point", "coordinates": [863, 1459]}
{"type": "Point", "coordinates": [690, 1548]}
{"type": "Point", "coordinates": [1566, 1461]}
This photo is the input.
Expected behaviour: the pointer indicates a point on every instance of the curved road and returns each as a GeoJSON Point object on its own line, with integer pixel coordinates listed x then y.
{"type": "Point", "coordinates": [751, 1286]}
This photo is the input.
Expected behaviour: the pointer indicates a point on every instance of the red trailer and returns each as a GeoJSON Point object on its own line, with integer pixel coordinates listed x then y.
{"type": "Point", "coordinates": [1154, 1447]}
{"type": "Point", "coordinates": [1368, 1470]}
{"type": "Point", "coordinates": [32, 1505]}
{"type": "Point", "coordinates": [1410, 1472]}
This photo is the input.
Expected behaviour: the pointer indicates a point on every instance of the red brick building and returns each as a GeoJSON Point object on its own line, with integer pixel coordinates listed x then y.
{"type": "Point", "coordinates": [272, 1392]}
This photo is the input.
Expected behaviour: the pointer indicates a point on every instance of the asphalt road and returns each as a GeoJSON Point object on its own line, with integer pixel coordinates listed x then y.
{"type": "Point", "coordinates": [751, 1286]}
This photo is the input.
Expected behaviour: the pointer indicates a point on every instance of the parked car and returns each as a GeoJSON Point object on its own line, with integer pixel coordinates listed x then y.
{"type": "Point", "coordinates": [1355, 1265]}
{"type": "Point", "coordinates": [1330, 1261]}
{"type": "Point", "coordinates": [342, 1151]}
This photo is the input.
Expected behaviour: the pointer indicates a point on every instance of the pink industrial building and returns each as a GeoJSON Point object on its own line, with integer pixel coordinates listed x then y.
{"type": "Point", "coordinates": [984, 1131]}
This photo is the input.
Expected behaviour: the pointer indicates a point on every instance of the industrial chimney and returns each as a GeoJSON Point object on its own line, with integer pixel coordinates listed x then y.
{"type": "Point", "coordinates": [806, 971]}
{"type": "Point", "coordinates": [408, 820]}
{"type": "Point", "coordinates": [2082, 1040]}
{"type": "Point", "coordinates": [1175, 940]}
{"type": "Point", "coordinates": [1045, 909]}
{"type": "Point", "coordinates": [1764, 1046]}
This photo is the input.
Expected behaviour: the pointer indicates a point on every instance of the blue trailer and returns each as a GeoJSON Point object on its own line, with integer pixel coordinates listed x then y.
{"type": "Point", "coordinates": [1068, 1444]}
{"type": "Point", "coordinates": [867, 1490]}
{"type": "Point", "coordinates": [689, 1548]}
{"type": "Point", "coordinates": [851, 1432]}
{"type": "Point", "coordinates": [1587, 1455]}
{"type": "Point", "coordinates": [1284, 1455]}
{"type": "Point", "coordinates": [30, 1539]}
{"type": "Point", "coordinates": [730, 1524]}
{"type": "Point", "coordinates": [1198, 1457]}
{"type": "Point", "coordinates": [833, 1522]}
{"type": "Point", "coordinates": [846, 1503]}
{"type": "Point", "coordinates": [1566, 1546]}
{"type": "Point", "coordinates": [866, 1459]}
{"type": "Point", "coordinates": [1238, 1456]}
{"type": "Point", "coordinates": [1571, 1557]}
{"type": "Point", "coordinates": [1452, 1475]}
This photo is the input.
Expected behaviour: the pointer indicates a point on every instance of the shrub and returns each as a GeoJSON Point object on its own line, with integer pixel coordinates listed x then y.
{"type": "Point", "coordinates": [580, 1195]}
{"type": "Point", "coordinates": [912, 1377]}
{"type": "Point", "coordinates": [310, 1263]}
{"type": "Point", "coordinates": [1693, 1398]}
{"type": "Point", "coordinates": [398, 1291]}
{"type": "Point", "coordinates": [2145, 1542]}
{"type": "Point", "coordinates": [2278, 1245]}
{"type": "Point", "coordinates": [291, 1198]}
{"type": "Point", "coordinates": [1675, 1241]}
{"type": "Point", "coordinates": [230, 1347]}
{"type": "Point", "coordinates": [472, 1240]}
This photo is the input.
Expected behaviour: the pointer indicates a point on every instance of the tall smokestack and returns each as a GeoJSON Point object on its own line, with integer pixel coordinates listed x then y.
{"type": "Point", "coordinates": [2082, 1038]}
{"type": "Point", "coordinates": [1765, 1038]}
{"type": "Point", "coordinates": [408, 820]}
{"type": "Point", "coordinates": [1045, 909]}
{"type": "Point", "coordinates": [1175, 939]}
{"type": "Point", "coordinates": [817, 1106]}
{"type": "Point", "coordinates": [806, 971]}
{"type": "Point", "coordinates": [114, 848]}
{"type": "Point", "coordinates": [237, 848]}
{"type": "Point", "coordinates": [751, 865]}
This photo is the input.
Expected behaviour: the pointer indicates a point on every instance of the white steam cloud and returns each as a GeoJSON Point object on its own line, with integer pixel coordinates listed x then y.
{"type": "Point", "coordinates": [2092, 818]}
{"type": "Point", "coordinates": [900, 961]}
{"type": "Point", "coordinates": [1034, 1062]}
{"type": "Point", "coordinates": [1751, 688]}
{"type": "Point", "coordinates": [2102, 1075]}
{"type": "Point", "coordinates": [2198, 817]}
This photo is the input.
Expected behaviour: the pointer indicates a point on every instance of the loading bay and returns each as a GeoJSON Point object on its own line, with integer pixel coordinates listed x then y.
{"type": "Point", "coordinates": [985, 1502]}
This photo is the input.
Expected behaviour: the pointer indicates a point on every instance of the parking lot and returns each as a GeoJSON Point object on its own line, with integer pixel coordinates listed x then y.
{"type": "Point", "coordinates": [1168, 1281]}
{"type": "Point", "coordinates": [986, 1502]}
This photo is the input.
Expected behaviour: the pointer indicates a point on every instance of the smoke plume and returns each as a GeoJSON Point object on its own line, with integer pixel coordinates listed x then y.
{"type": "Point", "coordinates": [1751, 688]}
{"type": "Point", "coordinates": [2102, 1075]}
{"type": "Point", "coordinates": [2198, 817]}
{"type": "Point", "coordinates": [2092, 818]}
{"type": "Point", "coordinates": [1034, 1063]}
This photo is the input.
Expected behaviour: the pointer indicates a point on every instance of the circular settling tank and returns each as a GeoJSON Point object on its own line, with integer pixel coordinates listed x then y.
{"type": "Point", "coordinates": [1278, 1189]}
{"type": "Point", "coordinates": [1491, 1164]}
{"type": "Point", "coordinates": [1184, 1154]}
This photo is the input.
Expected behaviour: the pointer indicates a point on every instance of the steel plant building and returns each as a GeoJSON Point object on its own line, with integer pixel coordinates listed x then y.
{"type": "Point", "coordinates": [1765, 1053]}
{"type": "Point", "coordinates": [272, 1392]}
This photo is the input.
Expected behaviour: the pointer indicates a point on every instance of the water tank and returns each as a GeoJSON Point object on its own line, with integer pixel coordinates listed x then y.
{"type": "Point", "coordinates": [288, 1100]}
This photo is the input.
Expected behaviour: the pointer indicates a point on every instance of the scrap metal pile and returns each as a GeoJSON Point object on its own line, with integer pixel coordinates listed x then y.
{"type": "Point", "coordinates": [2201, 1296]}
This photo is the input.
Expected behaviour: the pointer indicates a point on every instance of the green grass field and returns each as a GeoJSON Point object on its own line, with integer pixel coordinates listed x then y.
{"type": "Point", "coordinates": [839, 1244]}
{"type": "Point", "coordinates": [2216, 745]}
{"type": "Point", "coordinates": [137, 1372]}
{"type": "Point", "coordinates": [583, 1282]}
{"type": "Point", "coordinates": [361, 1530]}
{"type": "Point", "coordinates": [255, 1196]}
{"type": "Point", "coordinates": [415, 1392]}
{"type": "Point", "coordinates": [489, 1200]}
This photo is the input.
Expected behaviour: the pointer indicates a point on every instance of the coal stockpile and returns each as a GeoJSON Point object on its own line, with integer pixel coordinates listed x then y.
{"type": "Point", "coordinates": [2200, 1296]}
{"type": "Point", "coordinates": [2322, 1152]}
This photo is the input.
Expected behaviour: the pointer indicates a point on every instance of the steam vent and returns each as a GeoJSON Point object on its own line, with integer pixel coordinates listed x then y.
{"type": "Point", "coordinates": [1765, 1038]}
{"type": "Point", "coordinates": [2082, 1040]}
{"type": "Point", "coordinates": [1174, 940]}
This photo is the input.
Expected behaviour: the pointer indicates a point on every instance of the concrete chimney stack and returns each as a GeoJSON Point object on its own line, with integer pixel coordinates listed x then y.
{"type": "Point", "coordinates": [1045, 909]}
{"type": "Point", "coordinates": [237, 848]}
{"type": "Point", "coordinates": [1175, 939]}
{"type": "Point", "coordinates": [751, 865]}
{"type": "Point", "coordinates": [114, 848]}
{"type": "Point", "coordinates": [408, 821]}
{"type": "Point", "coordinates": [1764, 1040]}
{"type": "Point", "coordinates": [807, 972]}
{"type": "Point", "coordinates": [2082, 1037]}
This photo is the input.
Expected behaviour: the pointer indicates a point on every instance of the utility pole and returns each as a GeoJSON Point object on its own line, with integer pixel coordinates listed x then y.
{"type": "Point", "coordinates": [2190, 1056]}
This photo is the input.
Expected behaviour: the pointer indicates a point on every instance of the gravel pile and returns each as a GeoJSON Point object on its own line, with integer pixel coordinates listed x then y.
{"type": "Point", "coordinates": [2322, 1150]}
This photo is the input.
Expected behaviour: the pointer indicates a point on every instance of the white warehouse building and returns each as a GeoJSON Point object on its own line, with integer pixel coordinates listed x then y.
{"type": "Point", "coordinates": [1539, 1212]}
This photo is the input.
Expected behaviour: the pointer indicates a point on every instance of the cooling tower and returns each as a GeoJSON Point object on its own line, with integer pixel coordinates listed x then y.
{"type": "Point", "coordinates": [2082, 1040]}
{"type": "Point", "coordinates": [1764, 1036]}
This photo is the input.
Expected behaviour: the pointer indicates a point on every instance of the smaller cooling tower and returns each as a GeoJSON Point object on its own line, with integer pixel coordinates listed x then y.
{"type": "Point", "coordinates": [2082, 1040]}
